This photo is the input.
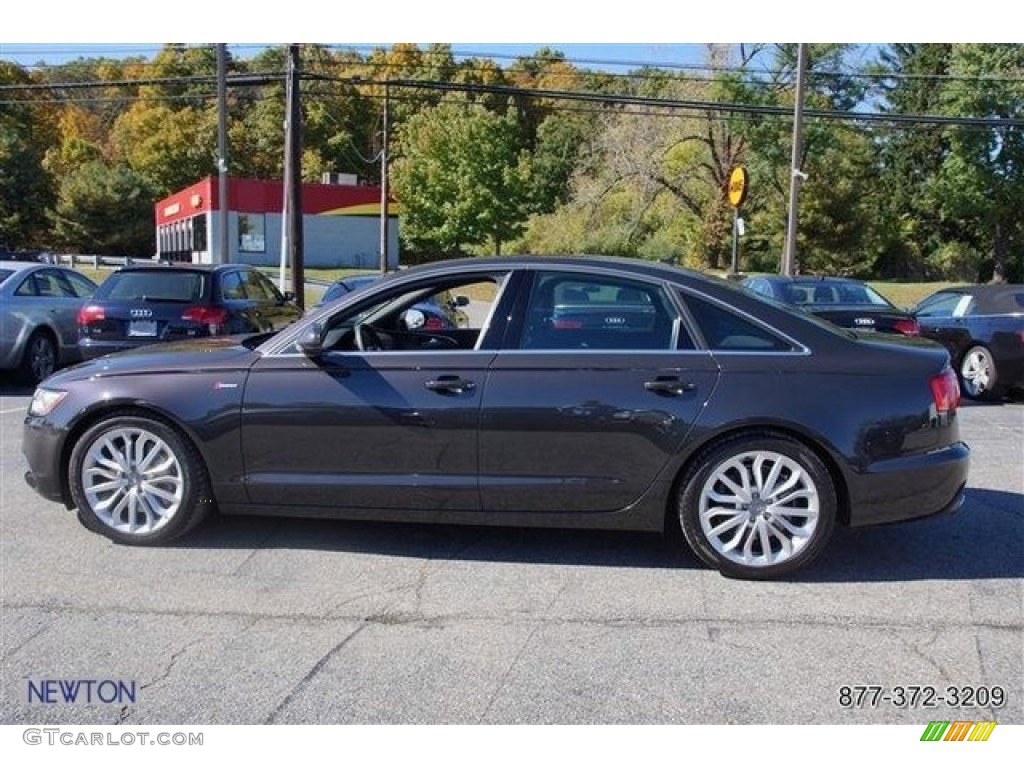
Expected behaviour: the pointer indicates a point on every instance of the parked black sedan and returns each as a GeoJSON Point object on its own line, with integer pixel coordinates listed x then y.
{"type": "Point", "coordinates": [982, 326]}
{"type": "Point", "coordinates": [142, 305]}
{"type": "Point", "coordinates": [752, 427]}
{"type": "Point", "coordinates": [843, 301]}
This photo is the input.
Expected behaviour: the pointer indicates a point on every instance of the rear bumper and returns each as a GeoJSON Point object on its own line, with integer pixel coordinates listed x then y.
{"type": "Point", "coordinates": [910, 487]}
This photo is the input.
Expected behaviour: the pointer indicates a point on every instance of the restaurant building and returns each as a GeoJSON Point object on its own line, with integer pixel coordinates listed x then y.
{"type": "Point", "coordinates": [340, 220]}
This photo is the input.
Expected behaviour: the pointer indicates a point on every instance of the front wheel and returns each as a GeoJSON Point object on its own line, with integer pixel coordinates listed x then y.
{"type": "Point", "coordinates": [137, 481]}
{"type": "Point", "coordinates": [979, 379]}
{"type": "Point", "coordinates": [757, 507]}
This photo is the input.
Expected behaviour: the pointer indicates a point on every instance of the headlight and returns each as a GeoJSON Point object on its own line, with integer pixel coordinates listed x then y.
{"type": "Point", "coordinates": [44, 401]}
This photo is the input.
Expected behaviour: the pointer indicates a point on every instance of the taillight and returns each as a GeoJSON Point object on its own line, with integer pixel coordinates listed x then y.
{"type": "Point", "coordinates": [207, 315]}
{"type": "Point", "coordinates": [90, 314]}
{"type": "Point", "coordinates": [945, 391]}
{"type": "Point", "coordinates": [908, 327]}
{"type": "Point", "coordinates": [433, 323]}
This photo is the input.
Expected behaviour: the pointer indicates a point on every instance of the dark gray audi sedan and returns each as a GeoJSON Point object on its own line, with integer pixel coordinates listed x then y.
{"type": "Point", "coordinates": [584, 392]}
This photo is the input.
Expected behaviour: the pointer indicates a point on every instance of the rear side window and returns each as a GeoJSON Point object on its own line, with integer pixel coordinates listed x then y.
{"type": "Point", "coordinates": [727, 331]}
{"type": "Point", "coordinates": [568, 311]}
{"type": "Point", "coordinates": [169, 285]}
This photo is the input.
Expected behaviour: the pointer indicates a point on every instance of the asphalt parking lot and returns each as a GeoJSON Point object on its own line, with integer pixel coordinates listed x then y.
{"type": "Point", "coordinates": [253, 620]}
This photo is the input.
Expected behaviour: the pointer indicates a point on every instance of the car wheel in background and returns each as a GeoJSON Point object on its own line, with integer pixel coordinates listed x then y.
{"type": "Point", "coordinates": [978, 377]}
{"type": "Point", "coordinates": [40, 358]}
{"type": "Point", "coordinates": [757, 506]}
{"type": "Point", "coordinates": [137, 481]}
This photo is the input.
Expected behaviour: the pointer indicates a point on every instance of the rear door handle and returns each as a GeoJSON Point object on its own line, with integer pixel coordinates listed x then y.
{"type": "Point", "coordinates": [669, 385]}
{"type": "Point", "coordinates": [453, 384]}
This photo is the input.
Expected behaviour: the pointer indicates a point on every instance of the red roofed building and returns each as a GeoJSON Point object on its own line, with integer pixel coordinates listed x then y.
{"type": "Point", "coordinates": [341, 224]}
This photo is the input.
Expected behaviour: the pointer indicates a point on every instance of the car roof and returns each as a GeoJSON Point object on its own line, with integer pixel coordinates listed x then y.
{"type": "Point", "coordinates": [818, 279]}
{"type": "Point", "coordinates": [182, 267]}
{"type": "Point", "coordinates": [992, 297]}
{"type": "Point", "coordinates": [22, 265]}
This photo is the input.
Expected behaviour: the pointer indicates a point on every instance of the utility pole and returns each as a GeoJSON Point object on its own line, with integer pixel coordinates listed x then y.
{"type": "Point", "coordinates": [796, 175]}
{"type": "Point", "coordinates": [384, 186]}
{"type": "Point", "coordinates": [224, 254]}
{"type": "Point", "coordinates": [293, 175]}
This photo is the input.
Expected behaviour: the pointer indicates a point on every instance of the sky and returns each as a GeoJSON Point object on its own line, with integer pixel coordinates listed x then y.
{"type": "Point", "coordinates": [651, 31]}
{"type": "Point", "coordinates": [605, 56]}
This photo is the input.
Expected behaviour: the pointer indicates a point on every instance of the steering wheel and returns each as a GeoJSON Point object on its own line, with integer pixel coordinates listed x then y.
{"type": "Point", "coordinates": [367, 338]}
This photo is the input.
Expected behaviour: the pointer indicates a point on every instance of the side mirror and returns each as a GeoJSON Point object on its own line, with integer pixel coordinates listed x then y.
{"type": "Point", "coordinates": [289, 296]}
{"type": "Point", "coordinates": [311, 342]}
{"type": "Point", "coordinates": [462, 301]}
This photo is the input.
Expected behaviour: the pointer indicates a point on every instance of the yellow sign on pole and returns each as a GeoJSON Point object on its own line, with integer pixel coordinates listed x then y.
{"type": "Point", "coordinates": [737, 186]}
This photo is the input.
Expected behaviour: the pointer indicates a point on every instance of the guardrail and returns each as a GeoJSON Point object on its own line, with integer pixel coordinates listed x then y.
{"type": "Point", "coordinates": [96, 261]}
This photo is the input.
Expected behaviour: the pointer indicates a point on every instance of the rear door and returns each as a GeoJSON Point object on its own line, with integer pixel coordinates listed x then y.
{"type": "Point", "coordinates": [593, 398]}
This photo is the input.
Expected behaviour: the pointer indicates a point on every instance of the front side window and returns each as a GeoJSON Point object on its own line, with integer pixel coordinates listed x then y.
{"type": "Point", "coordinates": [945, 305]}
{"type": "Point", "coordinates": [450, 314]}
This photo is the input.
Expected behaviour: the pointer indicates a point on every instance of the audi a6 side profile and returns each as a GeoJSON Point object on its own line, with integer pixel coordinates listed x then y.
{"type": "Point", "coordinates": [586, 392]}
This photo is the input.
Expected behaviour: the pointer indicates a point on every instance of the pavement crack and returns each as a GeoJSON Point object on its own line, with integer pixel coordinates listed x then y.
{"type": "Point", "coordinates": [170, 666]}
{"type": "Point", "coordinates": [313, 672]}
{"type": "Point", "coordinates": [519, 654]}
{"type": "Point", "coordinates": [260, 546]}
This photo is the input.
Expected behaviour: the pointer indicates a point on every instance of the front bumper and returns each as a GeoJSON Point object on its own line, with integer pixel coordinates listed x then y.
{"type": "Point", "coordinates": [42, 446]}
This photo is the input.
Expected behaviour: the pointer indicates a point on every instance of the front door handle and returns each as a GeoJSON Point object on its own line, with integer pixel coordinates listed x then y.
{"type": "Point", "coordinates": [669, 385]}
{"type": "Point", "coordinates": [454, 384]}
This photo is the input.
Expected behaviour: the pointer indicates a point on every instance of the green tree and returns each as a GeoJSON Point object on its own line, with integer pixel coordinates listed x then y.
{"type": "Point", "coordinates": [170, 148]}
{"type": "Point", "coordinates": [910, 77]}
{"type": "Point", "coordinates": [104, 209]}
{"type": "Point", "coordinates": [981, 182]}
{"type": "Point", "coordinates": [25, 186]}
{"type": "Point", "coordinates": [460, 178]}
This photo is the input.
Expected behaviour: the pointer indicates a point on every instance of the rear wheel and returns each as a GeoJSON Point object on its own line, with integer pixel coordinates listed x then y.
{"type": "Point", "coordinates": [137, 481]}
{"type": "Point", "coordinates": [757, 506]}
{"type": "Point", "coordinates": [40, 358]}
{"type": "Point", "coordinates": [979, 379]}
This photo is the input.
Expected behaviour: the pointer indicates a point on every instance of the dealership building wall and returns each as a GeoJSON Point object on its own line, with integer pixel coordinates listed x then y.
{"type": "Point", "coordinates": [341, 224]}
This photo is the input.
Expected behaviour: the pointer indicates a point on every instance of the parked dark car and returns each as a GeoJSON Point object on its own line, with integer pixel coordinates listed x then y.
{"type": "Point", "coordinates": [982, 326]}
{"type": "Point", "coordinates": [38, 309]}
{"type": "Point", "coordinates": [142, 305]}
{"type": "Point", "coordinates": [752, 427]}
{"type": "Point", "coordinates": [843, 301]}
{"type": "Point", "coordinates": [435, 312]}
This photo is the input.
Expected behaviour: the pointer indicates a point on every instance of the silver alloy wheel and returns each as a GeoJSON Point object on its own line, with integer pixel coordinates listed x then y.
{"type": "Point", "coordinates": [759, 508]}
{"type": "Point", "coordinates": [132, 481]}
{"type": "Point", "coordinates": [977, 371]}
{"type": "Point", "coordinates": [42, 357]}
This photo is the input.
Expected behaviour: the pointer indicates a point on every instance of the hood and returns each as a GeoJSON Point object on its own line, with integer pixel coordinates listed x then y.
{"type": "Point", "coordinates": [216, 353]}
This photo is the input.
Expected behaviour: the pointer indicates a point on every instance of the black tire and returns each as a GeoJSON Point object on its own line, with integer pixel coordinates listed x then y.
{"type": "Point", "coordinates": [978, 375]}
{"type": "Point", "coordinates": [40, 357]}
{"type": "Point", "coordinates": [137, 481]}
{"type": "Point", "coordinates": [741, 531]}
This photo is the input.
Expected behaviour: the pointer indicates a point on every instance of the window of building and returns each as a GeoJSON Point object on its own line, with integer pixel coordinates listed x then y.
{"type": "Point", "coordinates": [252, 236]}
